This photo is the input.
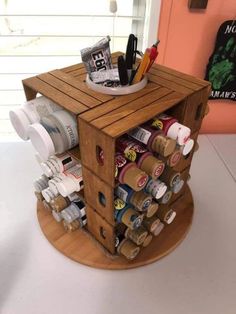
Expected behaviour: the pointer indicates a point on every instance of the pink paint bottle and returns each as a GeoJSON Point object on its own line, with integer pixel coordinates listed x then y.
{"type": "Point", "coordinates": [172, 128]}
{"type": "Point", "coordinates": [128, 173]}
{"type": "Point", "coordinates": [138, 153]}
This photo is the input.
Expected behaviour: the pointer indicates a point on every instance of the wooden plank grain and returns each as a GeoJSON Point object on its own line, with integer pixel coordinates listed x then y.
{"type": "Point", "coordinates": [88, 97]}
{"type": "Point", "coordinates": [169, 84]}
{"type": "Point", "coordinates": [176, 73]}
{"type": "Point", "coordinates": [118, 102]}
{"type": "Point", "coordinates": [179, 80]}
{"type": "Point", "coordinates": [140, 116]}
{"type": "Point", "coordinates": [68, 90]}
{"type": "Point", "coordinates": [55, 95]}
{"type": "Point", "coordinates": [130, 108]}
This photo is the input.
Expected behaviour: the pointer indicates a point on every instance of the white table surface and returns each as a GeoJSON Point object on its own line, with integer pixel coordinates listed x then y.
{"type": "Point", "coordinates": [198, 277]}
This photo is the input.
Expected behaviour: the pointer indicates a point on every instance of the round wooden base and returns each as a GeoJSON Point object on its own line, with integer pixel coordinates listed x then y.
{"type": "Point", "coordinates": [82, 248]}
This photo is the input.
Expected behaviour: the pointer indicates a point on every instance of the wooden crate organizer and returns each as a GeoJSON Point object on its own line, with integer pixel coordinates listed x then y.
{"type": "Point", "coordinates": [103, 118]}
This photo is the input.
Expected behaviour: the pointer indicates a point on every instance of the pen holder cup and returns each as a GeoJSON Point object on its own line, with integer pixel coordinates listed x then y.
{"type": "Point", "coordinates": [124, 90]}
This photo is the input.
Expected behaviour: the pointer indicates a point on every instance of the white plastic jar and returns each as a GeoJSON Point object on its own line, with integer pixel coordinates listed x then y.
{"type": "Point", "coordinates": [41, 183]}
{"type": "Point", "coordinates": [54, 134]}
{"type": "Point", "coordinates": [72, 182]}
{"type": "Point", "coordinates": [31, 112]}
{"type": "Point", "coordinates": [57, 164]}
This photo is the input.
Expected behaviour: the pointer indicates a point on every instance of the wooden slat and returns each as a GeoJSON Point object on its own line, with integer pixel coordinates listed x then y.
{"type": "Point", "coordinates": [69, 90]}
{"type": "Point", "coordinates": [72, 67]}
{"type": "Point", "coordinates": [130, 108]}
{"type": "Point", "coordinates": [180, 74]}
{"type": "Point", "coordinates": [88, 93]}
{"type": "Point", "coordinates": [169, 84]}
{"type": "Point", "coordinates": [118, 102]}
{"type": "Point", "coordinates": [83, 86]}
{"type": "Point", "coordinates": [177, 80]}
{"type": "Point", "coordinates": [120, 127]}
{"type": "Point", "coordinates": [55, 95]}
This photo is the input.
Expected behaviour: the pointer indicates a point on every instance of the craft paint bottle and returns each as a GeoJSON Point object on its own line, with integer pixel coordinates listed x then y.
{"type": "Point", "coordinates": [136, 152]}
{"type": "Point", "coordinates": [139, 200]}
{"type": "Point", "coordinates": [52, 183]}
{"type": "Point", "coordinates": [74, 211]}
{"type": "Point", "coordinates": [170, 177]}
{"type": "Point", "coordinates": [177, 187]}
{"type": "Point", "coordinates": [59, 203]}
{"type": "Point", "coordinates": [41, 183]}
{"type": "Point", "coordinates": [156, 188]}
{"type": "Point", "coordinates": [187, 147]}
{"type": "Point", "coordinates": [155, 140]}
{"type": "Point", "coordinates": [57, 216]}
{"type": "Point", "coordinates": [147, 240]}
{"type": "Point", "coordinates": [55, 134]}
{"type": "Point", "coordinates": [128, 173]}
{"type": "Point", "coordinates": [173, 159]}
{"type": "Point", "coordinates": [166, 197]}
{"type": "Point", "coordinates": [166, 214]}
{"type": "Point", "coordinates": [128, 249]}
{"type": "Point", "coordinates": [49, 195]}
{"type": "Point", "coordinates": [137, 236]}
{"type": "Point", "coordinates": [152, 209]}
{"type": "Point", "coordinates": [158, 229]}
{"type": "Point", "coordinates": [172, 128]}
{"type": "Point", "coordinates": [127, 215]}
{"type": "Point", "coordinates": [151, 223]}
{"type": "Point", "coordinates": [47, 206]}
{"type": "Point", "coordinates": [70, 227]}
{"type": "Point", "coordinates": [57, 164]}
{"type": "Point", "coordinates": [72, 182]}
{"type": "Point", "coordinates": [31, 112]}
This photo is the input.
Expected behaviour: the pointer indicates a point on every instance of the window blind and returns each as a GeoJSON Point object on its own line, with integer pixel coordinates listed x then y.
{"type": "Point", "coordinates": [38, 36]}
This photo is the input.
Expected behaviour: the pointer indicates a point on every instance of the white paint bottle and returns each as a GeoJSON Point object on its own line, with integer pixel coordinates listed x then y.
{"type": "Point", "coordinates": [31, 112]}
{"type": "Point", "coordinates": [55, 134]}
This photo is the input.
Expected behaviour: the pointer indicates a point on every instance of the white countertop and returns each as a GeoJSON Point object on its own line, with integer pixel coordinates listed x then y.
{"type": "Point", "coordinates": [198, 277]}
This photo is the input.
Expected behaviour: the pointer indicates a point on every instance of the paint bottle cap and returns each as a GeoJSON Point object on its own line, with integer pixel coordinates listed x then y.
{"type": "Point", "coordinates": [41, 140]}
{"type": "Point", "coordinates": [166, 197]}
{"type": "Point", "coordinates": [164, 145]}
{"type": "Point", "coordinates": [147, 240]}
{"type": "Point", "coordinates": [157, 189]}
{"type": "Point", "coordinates": [48, 194]}
{"type": "Point", "coordinates": [151, 165]}
{"type": "Point", "coordinates": [151, 223]}
{"type": "Point", "coordinates": [135, 178]}
{"type": "Point", "coordinates": [137, 236]}
{"type": "Point", "coordinates": [178, 187]}
{"type": "Point", "coordinates": [67, 186]}
{"type": "Point", "coordinates": [20, 122]}
{"type": "Point", "coordinates": [131, 218]}
{"type": "Point", "coordinates": [59, 203]}
{"type": "Point", "coordinates": [128, 249]}
{"type": "Point", "coordinates": [170, 216]}
{"type": "Point", "coordinates": [56, 216]}
{"type": "Point", "coordinates": [179, 132]}
{"type": "Point", "coordinates": [174, 158]}
{"type": "Point", "coordinates": [158, 229]}
{"type": "Point", "coordinates": [152, 209]}
{"type": "Point", "coordinates": [187, 147]}
{"type": "Point", "coordinates": [141, 200]}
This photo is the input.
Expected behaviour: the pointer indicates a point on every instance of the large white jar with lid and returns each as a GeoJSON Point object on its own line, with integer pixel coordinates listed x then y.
{"type": "Point", "coordinates": [55, 134]}
{"type": "Point", "coordinates": [31, 112]}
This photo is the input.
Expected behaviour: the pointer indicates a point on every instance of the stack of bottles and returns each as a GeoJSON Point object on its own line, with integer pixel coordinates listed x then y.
{"type": "Point", "coordinates": [52, 131]}
{"type": "Point", "coordinates": [145, 159]}
{"type": "Point", "coordinates": [144, 162]}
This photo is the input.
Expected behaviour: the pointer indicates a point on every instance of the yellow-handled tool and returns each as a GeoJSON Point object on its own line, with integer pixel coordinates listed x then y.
{"type": "Point", "coordinates": [142, 67]}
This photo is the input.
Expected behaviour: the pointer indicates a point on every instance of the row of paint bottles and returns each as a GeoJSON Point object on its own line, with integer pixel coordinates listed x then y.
{"type": "Point", "coordinates": [70, 210]}
{"type": "Point", "coordinates": [50, 129]}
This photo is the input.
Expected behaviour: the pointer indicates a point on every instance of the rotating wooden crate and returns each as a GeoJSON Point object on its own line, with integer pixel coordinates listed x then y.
{"type": "Point", "coordinates": [101, 120]}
